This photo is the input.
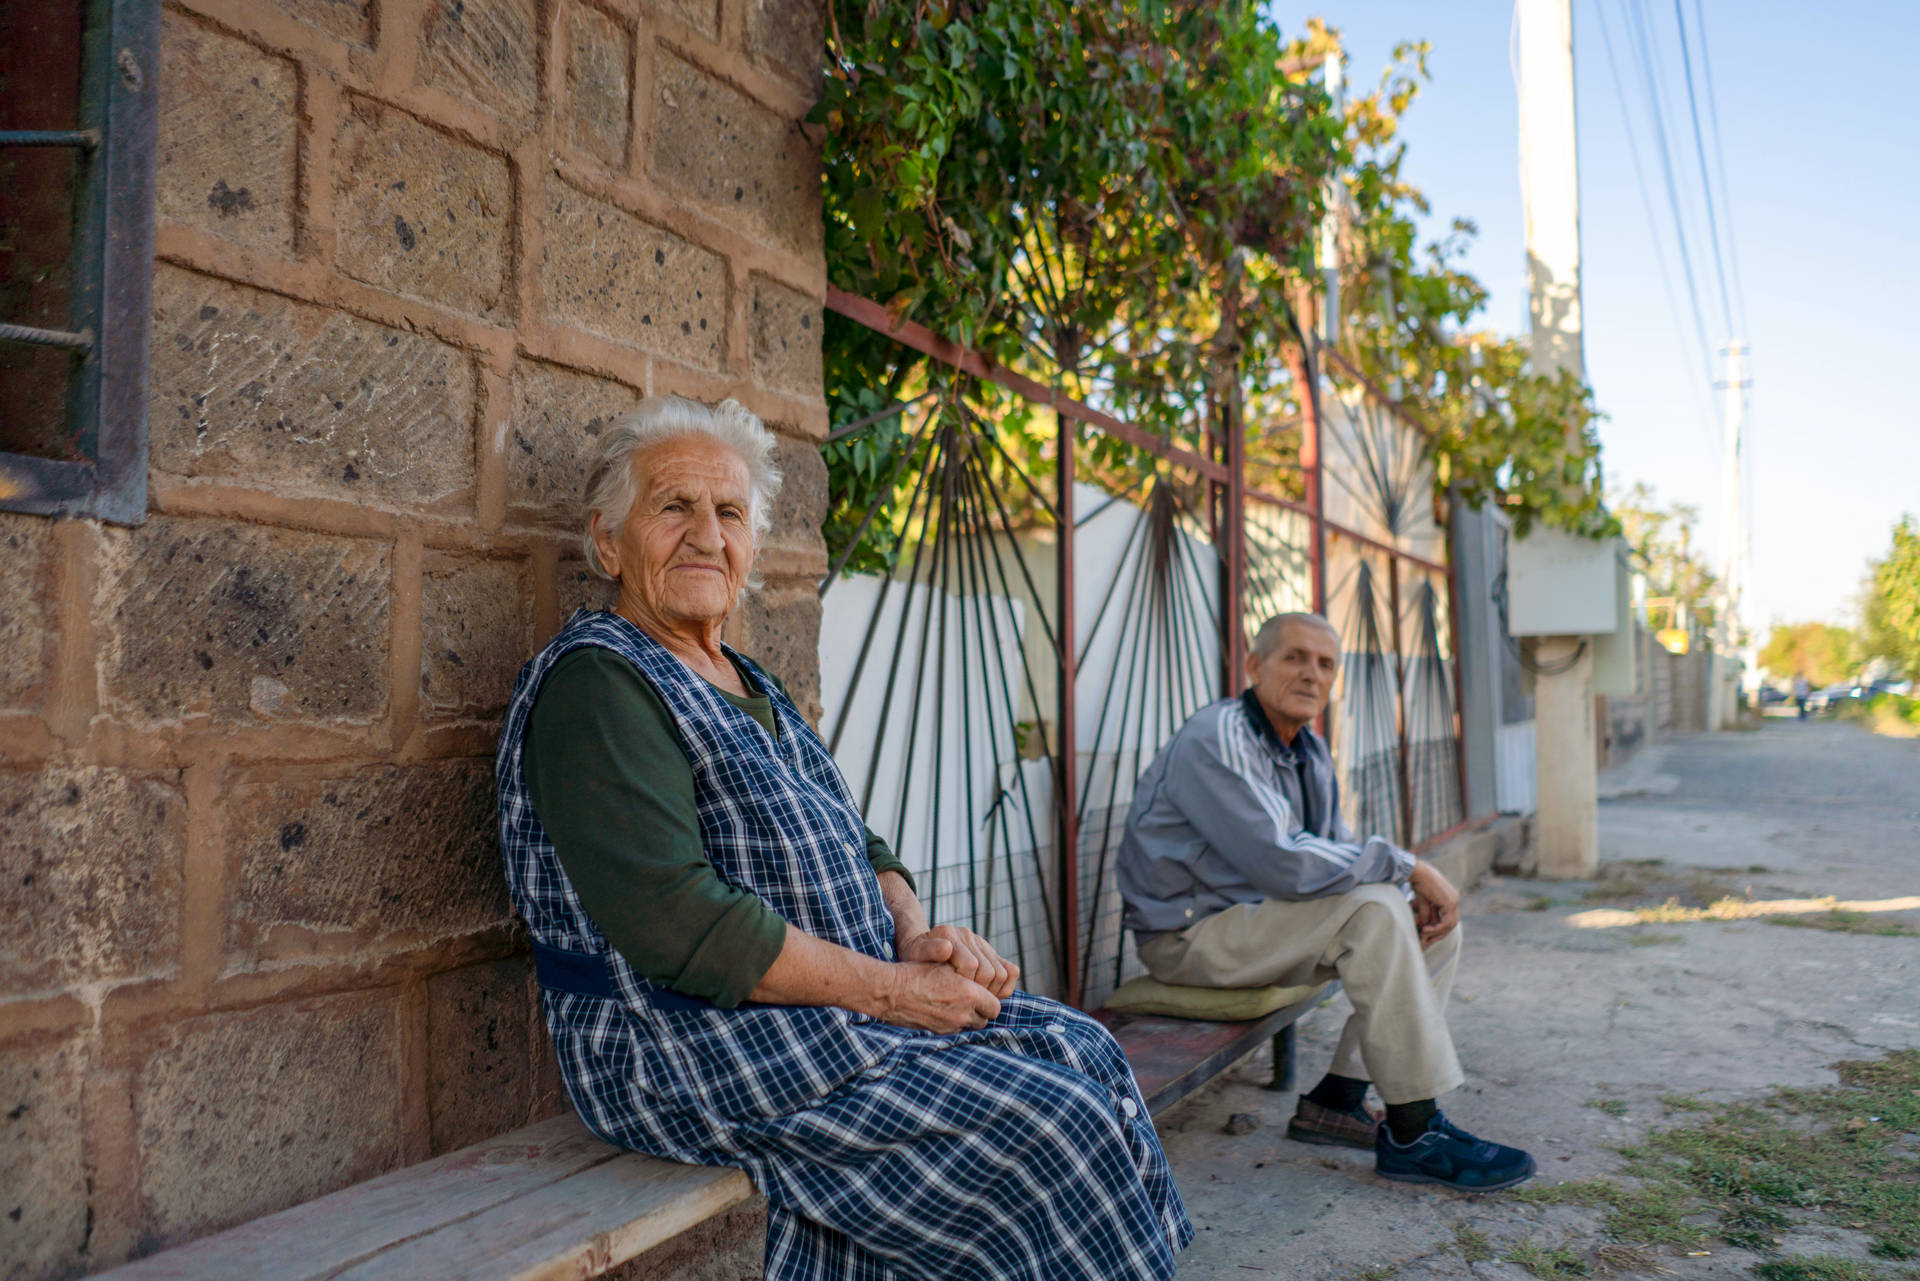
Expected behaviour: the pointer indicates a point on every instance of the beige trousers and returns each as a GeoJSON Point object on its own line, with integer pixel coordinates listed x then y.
{"type": "Point", "coordinates": [1397, 1037]}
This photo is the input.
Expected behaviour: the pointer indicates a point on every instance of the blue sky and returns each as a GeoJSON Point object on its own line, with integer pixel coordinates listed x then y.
{"type": "Point", "coordinates": [1821, 131]}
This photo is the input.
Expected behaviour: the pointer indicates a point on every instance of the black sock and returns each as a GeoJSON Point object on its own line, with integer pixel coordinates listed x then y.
{"type": "Point", "coordinates": [1341, 1093]}
{"type": "Point", "coordinates": [1408, 1121]}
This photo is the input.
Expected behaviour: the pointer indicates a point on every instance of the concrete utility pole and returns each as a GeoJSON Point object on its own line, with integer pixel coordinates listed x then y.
{"type": "Point", "coordinates": [1723, 698]}
{"type": "Point", "coordinates": [1565, 755]}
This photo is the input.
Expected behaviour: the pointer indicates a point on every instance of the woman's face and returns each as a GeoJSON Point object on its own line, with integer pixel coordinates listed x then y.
{"type": "Point", "coordinates": [688, 545]}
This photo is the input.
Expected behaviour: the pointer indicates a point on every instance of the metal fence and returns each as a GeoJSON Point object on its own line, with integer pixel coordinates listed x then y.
{"type": "Point", "coordinates": [1049, 620]}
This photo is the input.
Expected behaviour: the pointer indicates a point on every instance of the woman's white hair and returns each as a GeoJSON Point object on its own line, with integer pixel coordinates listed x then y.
{"type": "Point", "coordinates": [611, 489]}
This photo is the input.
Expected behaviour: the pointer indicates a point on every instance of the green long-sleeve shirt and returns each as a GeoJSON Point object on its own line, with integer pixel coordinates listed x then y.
{"type": "Point", "coordinates": [614, 790]}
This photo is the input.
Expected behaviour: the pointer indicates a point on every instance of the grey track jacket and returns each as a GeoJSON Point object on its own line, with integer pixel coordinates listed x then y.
{"type": "Point", "coordinates": [1216, 821]}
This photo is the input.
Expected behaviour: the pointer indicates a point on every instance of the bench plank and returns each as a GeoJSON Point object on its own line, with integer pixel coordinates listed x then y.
{"type": "Point", "coordinates": [318, 1238]}
{"type": "Point", "coordinates": [578, 1227]}
{"type": "Point", "coordinates": [1171, 1058]}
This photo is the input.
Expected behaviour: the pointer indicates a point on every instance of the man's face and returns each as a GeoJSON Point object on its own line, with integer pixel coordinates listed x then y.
{"type": "Point", "coordinates": [1294, 679]}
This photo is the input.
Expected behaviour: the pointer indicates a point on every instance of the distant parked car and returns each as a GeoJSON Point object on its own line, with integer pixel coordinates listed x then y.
{"type": "Point", "coordinates": [1769, 695]}
{"type": "Point", "coordinates": [1826, 700]}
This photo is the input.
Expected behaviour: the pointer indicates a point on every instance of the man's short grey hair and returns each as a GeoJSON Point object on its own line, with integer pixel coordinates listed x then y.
{"type": "Point", "coordinates": [1267, 639]}
{"type": "Point", "coordinates": [611, 490]}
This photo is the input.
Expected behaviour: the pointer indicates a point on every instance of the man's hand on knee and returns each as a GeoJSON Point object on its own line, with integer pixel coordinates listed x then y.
{"type": "Point", "coordinates": [1436, 903]}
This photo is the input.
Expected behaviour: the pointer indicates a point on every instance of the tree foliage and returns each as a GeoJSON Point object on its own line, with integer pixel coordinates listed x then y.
{"type": "Point", "coordinates": [1662, 537]}
{"type": "Point", "coordinates": [1119, 198]}
{"type": "Point", "coordinates": [1892, 613]}
{"type": "Point", "coordinates": [1821, 652]}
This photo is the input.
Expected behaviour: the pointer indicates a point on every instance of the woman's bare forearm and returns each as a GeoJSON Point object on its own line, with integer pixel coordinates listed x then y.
{"type": "Point", "coordinates": [812, 971]}
{"type": "Point", "coordinates": [909, 918]}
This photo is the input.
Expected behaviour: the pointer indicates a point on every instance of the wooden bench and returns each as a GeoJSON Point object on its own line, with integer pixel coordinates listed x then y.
{"type": "Point", "coordinates": [550, 1201]}
{"type": "Point", "coordinates": [542, 1203]}
{"type": "Point", "coordinates": [1173, 1057]}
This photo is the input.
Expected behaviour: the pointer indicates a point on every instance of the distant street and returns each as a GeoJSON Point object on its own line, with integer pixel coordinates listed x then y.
{"type": "Point", "coordinates": [1571, 1035]}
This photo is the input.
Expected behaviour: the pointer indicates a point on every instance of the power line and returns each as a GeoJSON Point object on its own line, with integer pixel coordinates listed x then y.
{"type": "Point", "coordinates": [1700, 381]}
{"type": "Point", "coordinates": [1706, 183]}
{"type": "Point", "coordinates": [1657, 110]}
{"type": "Point", "coordinates": [1720, 165]}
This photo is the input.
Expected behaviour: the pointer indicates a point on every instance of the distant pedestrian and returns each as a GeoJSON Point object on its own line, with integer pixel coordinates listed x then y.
{"type": "Point", "coordinates": [1801, 688]}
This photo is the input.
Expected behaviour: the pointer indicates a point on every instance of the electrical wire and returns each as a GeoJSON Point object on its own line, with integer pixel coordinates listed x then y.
{"type": "Point", "coordinates": [1657, 109]}
{"type": "Point", "coordinates": [1700, 381]}
{"type": "Point", "coordinates": [1720, 165]}
{"type": "Point", "coordinates": [1706, 183]}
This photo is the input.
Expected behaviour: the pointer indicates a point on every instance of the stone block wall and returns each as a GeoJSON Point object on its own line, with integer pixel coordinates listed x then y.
{"type": "Point", "coordinates": [412, 256]}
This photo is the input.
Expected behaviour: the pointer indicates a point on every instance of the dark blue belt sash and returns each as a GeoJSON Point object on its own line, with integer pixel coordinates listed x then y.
{"type": "Point", "coordinates": [587, 974]}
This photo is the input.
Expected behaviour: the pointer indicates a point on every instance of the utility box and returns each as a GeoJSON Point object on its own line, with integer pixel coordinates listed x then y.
{"type": "Point", "coordinates": [1561, 585]}
{"type": "Point", "coordinates": [1616, 653]}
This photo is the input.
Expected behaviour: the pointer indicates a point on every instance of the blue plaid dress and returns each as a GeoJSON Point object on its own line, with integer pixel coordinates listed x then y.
{"type": "Point", "coordinates": [1018, 1152]}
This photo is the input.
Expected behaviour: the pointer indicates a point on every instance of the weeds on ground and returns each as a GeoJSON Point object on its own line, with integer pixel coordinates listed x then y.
{"type": "Point", "coordinates": [1612, 1107]}
{"type": "Point", "coordinates": [1549, 1265]}
{"type": "Point", "coordinates": [1651, 881]}
{"type": "Point", "coordinates": [1842, 921]}
{"type": "Point", "coordinates": [1819, 1267]}
{"type": "Point", "coordinates": [1378, 1272]}
{"type": "Point", "coordinates": [1748, 1173]}
{"type": "Point", "coordinates": [1539, 903]}
{"type": "Point", "coordinates": [1652, 939]}
{"type": "Point", "coordinates": [1472, 1245]}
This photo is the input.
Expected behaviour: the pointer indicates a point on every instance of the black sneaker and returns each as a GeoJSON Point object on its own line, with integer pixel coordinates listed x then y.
{"type": "Point", "coordinates": [1449, 1156]}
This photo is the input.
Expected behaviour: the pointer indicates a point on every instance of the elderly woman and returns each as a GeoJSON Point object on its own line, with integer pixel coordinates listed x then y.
{"type": "Point", "coordinates": [737, 972]}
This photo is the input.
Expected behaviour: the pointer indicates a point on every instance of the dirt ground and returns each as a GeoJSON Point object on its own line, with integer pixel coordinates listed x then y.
{"type": "Point", "coordinates": [1590, 1015]}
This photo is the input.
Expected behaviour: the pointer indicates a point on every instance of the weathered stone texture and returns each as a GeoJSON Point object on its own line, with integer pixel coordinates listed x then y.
{"type": "Point", "coordinates": [488, 50]}
{"type": "Point", "coordinates": [779, 628]}
{"type": "Point", "coordinates": [45, 1218]}
{"type": "Point", "coordinates": [581, 588]}
{"type": "Point", "coordinates": [558, 415]}
{"type": "Point", "coordinates": [702, 15]}
{"type": "Point", "coordinates": [599, 85]}
{"type": "Point", "coordinates": [802, 503]}
{"type": "Point", "coordinates": [237, 622]}
{"type": "Point", "coordinates": [243, 1114]}
{"type": "Point", "coordinates": [90, 873]}
{"type": "Point", "coordinates": [26, 615]}
{"type": "Point", "coordinates": [789, 36]}
{"type": "Point", "coordinates": [420, 211]}
{"type": "Point", "coordinates": [479, 1052]}
{"type": "Point", "coordinates": [227, 136]}
{"type": "Point", "coordinates": [716, 145]}
{"type": "Point", "coordinates": [786, 338]}
{"type": "Point", "coordinates": [255, 388]}
{"type": "Point", "coordinates": [350, 20]}
{"type": "Point", "coordinates": [618, 276]}
{"type": "Point", "coordinates": [384, 851]}
{"type": "Point", "coordinates": [473, 634]}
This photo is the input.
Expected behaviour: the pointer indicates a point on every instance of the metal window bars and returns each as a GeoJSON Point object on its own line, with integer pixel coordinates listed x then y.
{"type": "Point", "coordinates": [104, 474]}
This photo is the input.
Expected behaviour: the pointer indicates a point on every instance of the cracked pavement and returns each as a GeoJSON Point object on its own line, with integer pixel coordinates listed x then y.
{"type": "Point", "coordinates": [1553, 1020]}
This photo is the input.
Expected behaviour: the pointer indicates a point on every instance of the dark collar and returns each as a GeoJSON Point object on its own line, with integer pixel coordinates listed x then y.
{"type": "Point", "coordinates": [1303, 742]}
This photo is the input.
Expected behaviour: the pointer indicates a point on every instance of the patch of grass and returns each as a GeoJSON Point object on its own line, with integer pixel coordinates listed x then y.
{"type": "Point", "coordinates": [1612, 1107]}
{"type": "Point", "coordinates": [1820, 1267]}
{"type": "Point", "coordinates": [1653, 1211]}
{"type": "Point", "coordinates": [1539, 904]}
{"type": "Point", "coordinates": [1683, 1103]}
{"type": "Point", "coordinates": [1838, 1154]}
{"type": "Point", "coordinates": [1614, 1257]}
{"type": "Point", "coordinates": [1472, 1245]}
{"type": "Point", "coordinates": [1842, 921]}
{"type": "Point", "coordinates": [1652, 939]}
{"type": "Point", "coordinates": [1379, 1272]}
{"type": "Point", "coordinates": [1549, 1265]}
{"type": "Point", "coordinates": [1651, 883]}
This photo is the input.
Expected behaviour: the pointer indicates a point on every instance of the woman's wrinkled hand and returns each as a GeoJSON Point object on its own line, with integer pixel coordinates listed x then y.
{"type": "Point", "coordinates": [934, 997]}
{"type": "Point", "coordinates": [968, 954]}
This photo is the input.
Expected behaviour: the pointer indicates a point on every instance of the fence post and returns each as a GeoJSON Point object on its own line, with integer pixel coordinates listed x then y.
{"type": "Point", "coordinates": [1400, 700]}
{"type": "Point", "coordinates": [1066, 747]}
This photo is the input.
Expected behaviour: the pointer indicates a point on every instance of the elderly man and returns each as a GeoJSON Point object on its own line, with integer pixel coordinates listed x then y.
{"type": "Point", "coordinates": [1239, 872]}
{"type": "Point", "coordinates": [735, 971]}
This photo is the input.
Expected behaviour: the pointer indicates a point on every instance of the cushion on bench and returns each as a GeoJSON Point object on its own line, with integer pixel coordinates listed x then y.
{"type": "Point", "coordinates": [1147, 995]}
